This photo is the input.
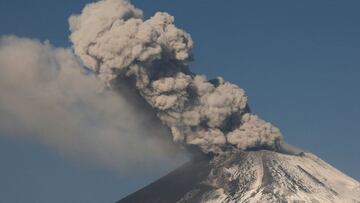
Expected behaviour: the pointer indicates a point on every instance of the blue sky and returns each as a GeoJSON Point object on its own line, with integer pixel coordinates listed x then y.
{"type": "Point", "coordinates": [297, 60]}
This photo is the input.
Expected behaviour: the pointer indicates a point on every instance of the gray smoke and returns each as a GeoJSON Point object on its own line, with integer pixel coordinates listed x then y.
{"type": "Point", "coordinates": [46, 93]}
{"type": "Point", "coordinates": [112, 39]}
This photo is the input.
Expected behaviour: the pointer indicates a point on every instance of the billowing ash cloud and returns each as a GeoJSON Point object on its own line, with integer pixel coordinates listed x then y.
{"type": "Point", "coordinates": [112, 39]}
{"type": "Point", "coordinates": [45, 92]}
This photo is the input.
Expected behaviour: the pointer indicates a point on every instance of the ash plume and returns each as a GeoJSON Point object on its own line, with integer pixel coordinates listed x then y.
{"type": "Point", "coordinates": [46, 93]}
{"type": "Point", "coordinates": [146, 92]}
{"type": "Point", "coordinates": [151, 56]}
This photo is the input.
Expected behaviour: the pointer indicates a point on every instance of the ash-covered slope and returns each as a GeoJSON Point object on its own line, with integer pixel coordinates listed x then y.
{"type": "Point", "coordinates": [252, 177]}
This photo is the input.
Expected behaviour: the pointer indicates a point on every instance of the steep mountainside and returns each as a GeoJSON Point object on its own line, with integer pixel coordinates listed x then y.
{"type": "Point", "coordinates": [252, 177]}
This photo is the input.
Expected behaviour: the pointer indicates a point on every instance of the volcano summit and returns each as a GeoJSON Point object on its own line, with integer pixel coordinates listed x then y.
{"type": "Point", "coordinates": [252, 177]}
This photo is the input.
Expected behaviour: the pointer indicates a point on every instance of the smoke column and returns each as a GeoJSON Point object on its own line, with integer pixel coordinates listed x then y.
{"type": "Point", "coordinates": [146, 96]}
{"type": "Point", "coordinates": [151, 56]}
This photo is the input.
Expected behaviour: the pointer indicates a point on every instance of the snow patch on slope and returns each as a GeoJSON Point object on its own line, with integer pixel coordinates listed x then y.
{"type": "Point", "coordinates": [264, 176]}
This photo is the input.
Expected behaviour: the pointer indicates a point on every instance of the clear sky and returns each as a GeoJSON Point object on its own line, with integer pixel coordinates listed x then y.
{"type": "Point", "coordinates": [298, 61]}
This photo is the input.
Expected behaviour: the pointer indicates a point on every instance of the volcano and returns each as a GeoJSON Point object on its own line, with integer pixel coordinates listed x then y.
{"type": "Point", "coordinates": [252, 177]}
